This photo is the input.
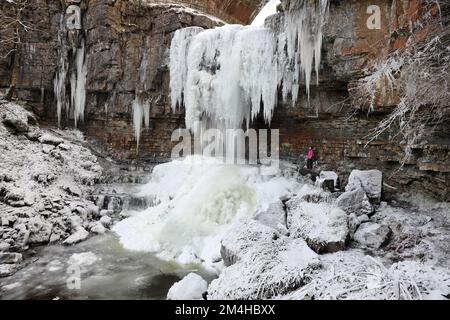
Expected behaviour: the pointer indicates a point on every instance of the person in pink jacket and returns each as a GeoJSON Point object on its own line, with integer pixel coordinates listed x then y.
{"type": "Point", "coordinates": [310, 158]}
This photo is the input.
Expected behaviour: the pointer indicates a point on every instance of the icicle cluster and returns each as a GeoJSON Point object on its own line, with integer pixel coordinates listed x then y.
{"type": "Point", "coordinates": [141, 114]}
{"type": "Point", "coordinates": [78, 73]}
{"type": "Point", "coordinates": [226, 74]}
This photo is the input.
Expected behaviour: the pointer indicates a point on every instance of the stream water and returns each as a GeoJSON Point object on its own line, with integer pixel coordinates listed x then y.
{"type": "Point", "coordinates": [116, 273]}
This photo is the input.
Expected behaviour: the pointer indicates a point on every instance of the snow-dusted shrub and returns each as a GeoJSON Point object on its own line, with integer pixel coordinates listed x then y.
{"type": "Point", "coordinates": [352, 275]}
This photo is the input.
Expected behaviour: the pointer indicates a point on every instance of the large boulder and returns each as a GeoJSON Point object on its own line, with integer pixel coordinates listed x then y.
{"type": "Point", "coordinates": [371, 181]}
{"type": "Point", "coordinates": [323, 226]}
{"type": "Point", "coordinates": [356, 202]}
{"type": "Point", "coordinates": [191, 287]}
{"type": "Point", "coordinates": [372, 235]}
{"type": "Point", "coordinates": [267, 270]}
{"type": "Point", "coordinates": [242, 237]}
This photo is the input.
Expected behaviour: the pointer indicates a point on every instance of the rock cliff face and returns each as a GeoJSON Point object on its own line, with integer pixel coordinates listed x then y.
{"type": "Point", "coordinates": [127, 46]}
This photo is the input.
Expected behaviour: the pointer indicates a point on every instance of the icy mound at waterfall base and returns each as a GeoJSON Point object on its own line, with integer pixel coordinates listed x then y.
{"type": "Point", "coordinates": [200, 198]}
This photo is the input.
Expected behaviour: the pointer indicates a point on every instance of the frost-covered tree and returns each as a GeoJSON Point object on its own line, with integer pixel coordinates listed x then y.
{"type": "Point", "coordinates": [420, 75]}
{"type": "Point", "coordinates": [14, 27]}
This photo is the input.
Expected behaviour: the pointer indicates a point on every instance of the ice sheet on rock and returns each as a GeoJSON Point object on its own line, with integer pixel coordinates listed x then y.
{"type": "Point", "coordinates": [191, 287]}
{"type": "Point", "coordinates": [323, 226]}
{"type": "Point", "coordinates": [269, 269]}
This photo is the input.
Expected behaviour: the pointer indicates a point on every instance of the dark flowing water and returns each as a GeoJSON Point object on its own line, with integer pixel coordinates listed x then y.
{"type": "Point", "coordinates": [116, 274]}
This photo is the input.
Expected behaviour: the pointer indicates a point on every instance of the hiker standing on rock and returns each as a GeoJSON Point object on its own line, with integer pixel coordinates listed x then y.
{"type": "Point", "coordinates": [310, 158]}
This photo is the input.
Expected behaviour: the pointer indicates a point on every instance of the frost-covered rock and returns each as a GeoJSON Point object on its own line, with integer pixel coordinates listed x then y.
{"type": "Point", "coordinates": [269, 269]}
{"type": "Point", "coordinates": [326, 176]}
{"type": "Point", "coordinates": [48, 138]}
{"type": "Point", "coordinates": [40, 230]}
{"type": "Point", "coordinates": [34, 202]}
{"type": "Point", "coordinates": [191, 287]}
{"type": "Point", "coordinates": [242, 237]}
{"type": "Point", "coordinates": [98, 228]}
{"type": "Point", "coordinates": [322, 225]}
{"type": "Point", "coordinates": [10, 258]}
{"type": "Point", "coordinates": [78, 236]}
{"type": "Point", "coordinates": [356, 202]}
{"type": "Point", "coordinates": [274, 217]}
{"type": "Point", "coordinates": [371, 181]}
{"type": "Point", "coordinates": [18, 123]}
{"type": "Point", "coordinates": [355, 221]}
{"type": "Point", "coordinates": [372, 235]}
{"type": "Point", "coordinates": [106, 221]}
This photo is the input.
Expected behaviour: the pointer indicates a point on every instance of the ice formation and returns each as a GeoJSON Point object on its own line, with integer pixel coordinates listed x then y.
{"type": "Point", "coordinates": [78, 73]}
{"type": "Point", "coordinates": [227, 73]}
{"type": "Point", "coordinates": [199, 199]}
{"type": "Point", "coordinates": [141, 115]}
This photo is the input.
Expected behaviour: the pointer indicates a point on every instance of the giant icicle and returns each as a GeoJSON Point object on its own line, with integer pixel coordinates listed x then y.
{"type": "Point", "coordinates": [77, 66]}
{"type": "Point", "coordinates": [225, 74]}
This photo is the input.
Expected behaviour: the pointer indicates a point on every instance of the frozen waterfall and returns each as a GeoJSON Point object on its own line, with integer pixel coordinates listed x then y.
{"type": "Point", "coordinates": [227, 74]}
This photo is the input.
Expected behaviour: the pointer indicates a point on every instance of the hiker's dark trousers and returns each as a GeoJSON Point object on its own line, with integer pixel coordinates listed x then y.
{"type": "Point", "coordinates": [309, 164]}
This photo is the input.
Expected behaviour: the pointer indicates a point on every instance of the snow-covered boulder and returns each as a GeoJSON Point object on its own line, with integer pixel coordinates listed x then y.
{"type": "Point", "coordinates": [356, 202]}
{"type": "Point", "coordinates": [372, 235]}
{"type": "Point", "coordinates": [18, 122]}
{"type": "Point", "coordinates": [40, 230]}
{"type": "Point", "coordinates": [191, 287]}
{"type": "Point", "coordinates": [274, 217]}
{"type": "Point", "coordinates": [98, 228]}
{"type": "Point", "coordinates": [106, 221]}
{"type": "Point", "coordinates": [79, 235]}
{"type": "Point", "coordinates": [322, 225]}
{"type": "Point", "coordinates": [271, 269]}
{"type": "Point", "coordinates": [371, 181]}
{"type": "Point", "coordinates": [242, 237]}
